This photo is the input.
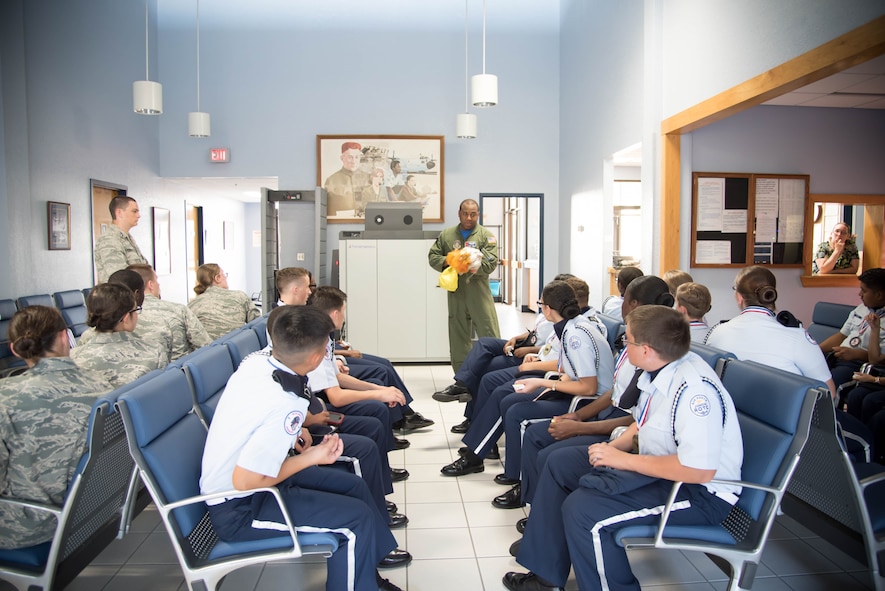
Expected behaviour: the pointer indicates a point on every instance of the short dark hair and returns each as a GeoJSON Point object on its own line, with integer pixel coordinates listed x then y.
{"type": "Point", "coordinates": [662, 328]}
{"type": "Point", "coordinates": [647, 290]}
{"type": "Point", "coordinates": [107, 304]}
{"type": "Point", "coordinates": [32, 331]}
{"type": "Point", "coordinates": [296, 330]}
{"type": "Point", "coordinates": [131, 279]}
{"type": "Point", "coordinates": [328, 298]}
{"type": "Point", "coordinates": [468, 202]}
{"type": "Point", "coordinates": [582, 290]}
{"type": "Point", "coordinates": [393, 163]}
{"type": "Point", "coordinates": [560, 296]}
{"type": "Point", "coordinates": [874, 279]}
{"type": "Point", "coordinates": [626, 275]}
{"type": "Point", "coordinates": [146, 271]}
{"type": "Point", "coordinates": [119, 202]}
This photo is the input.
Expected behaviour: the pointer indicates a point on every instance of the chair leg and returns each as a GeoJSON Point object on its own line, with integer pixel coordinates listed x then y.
{"type": "Point", "coordinates": [129, 504]}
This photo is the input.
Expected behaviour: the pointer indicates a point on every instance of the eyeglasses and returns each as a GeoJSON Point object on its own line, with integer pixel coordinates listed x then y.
{"type": "Point", "coordinates": [134, 310]}
{"type": "Point", "coordinates": [635, 344]}
{"type": "Point", "coordinates": [540, 303]}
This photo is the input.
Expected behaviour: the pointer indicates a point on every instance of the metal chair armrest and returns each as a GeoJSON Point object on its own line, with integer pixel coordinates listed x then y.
{"type": "Point", "coordinates": [32, 505]}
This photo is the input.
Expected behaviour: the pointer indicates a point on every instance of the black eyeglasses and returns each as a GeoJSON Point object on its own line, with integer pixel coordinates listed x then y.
{"type": "Point", "coordinates": [540, 303]}
{"type": "Point", "coordinates": [134, 310]}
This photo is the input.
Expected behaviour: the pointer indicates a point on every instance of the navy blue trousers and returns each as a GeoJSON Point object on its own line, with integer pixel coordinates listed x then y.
{"type": "Point", "coordinates": [537, 445]}
{"type": "Point", "coordinates": [317, 498]}
{"type": "Point", "coordinates": [380, 371]}
{"type": "Point", "coordinates": [487, 385]}
{"type": "Point", "coordinates": [368, 408]}
{"type": "Point", "coordinates": [373, 429]}
{"type": "Point", "coordinates": [361, 457]}
{"type": "Point", "coordinates": [487, 355]}
{"type": "Point", "coordinates": [574, 526]}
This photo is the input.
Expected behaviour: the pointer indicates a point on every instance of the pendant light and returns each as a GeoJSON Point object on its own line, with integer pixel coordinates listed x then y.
{"type": "Point", "coordinates": [147, 96]}
{"type": "Point", "coordinates": [465, 123]}
{"type": "Point", "coordinates": [484, 86]}
{"type": "Point", "coordinates": [198, 123]}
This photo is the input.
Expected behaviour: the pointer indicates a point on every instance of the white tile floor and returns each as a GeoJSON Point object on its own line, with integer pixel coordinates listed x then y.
{"type": "Point", "coordinates": [459, 541]}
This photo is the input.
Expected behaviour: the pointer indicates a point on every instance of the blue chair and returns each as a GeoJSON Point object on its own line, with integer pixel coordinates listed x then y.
{"type": "Point", "coordinates": [208, 374]}
{"type": "Point", "coordinates": [72, 305]}
{"type": "Point", "coordinates": [715, 358]}
{"type": "Point", "coordinates": [167, 439]}
{"type": "Point", "coordinates": [9, 363]}
{"type": "Point", "coordinates": [615, 328]}
{"type": "Point", "coordinates": [240, 344]}
{"type": "Point", "coordinates": [259, 325]}
{"type": "Point", "coordinates": [42, 299]}
{"type": "Point", "coordinates": [90, 517]}
{"type": "Point", "coordinates": [826, 319]}
{"type": "Point", "coordinates": [774, 409]}
{"type": "Point", "coordinates": [847, 506]}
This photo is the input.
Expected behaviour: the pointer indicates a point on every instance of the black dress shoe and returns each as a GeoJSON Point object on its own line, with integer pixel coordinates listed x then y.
{"type": "Point", "coordinates": [396, 558]}
{"type": "Point", "coordinates": [456, 391]}
{"type": "Point", "coordinates": [385, 584]}
{"type": "Point", "coordinates": [494, 454]}
{"type": "Point", "coordinates": [391, 507]}
{"type": "Point", "coordinates": [512, 499]}
{"type": "Point", "coordinates": [520, 525]}
{"type": "Point", "coordinates": [397, 520]}
{"type": "Point", "coordinates": [527, 582]}
{"type": "Point", "coordinates": [400, 443]}
{"type": "Point", "coordinates": [461, 427]}
{"type": "Point", "coordinates": [504, 481]}
{"type": "Point", "coordinates": [412, 422]}
{"type": "Point", "coordinates": [462, 466]}
{"type": "Point", "coordinates": [399, 474]}
{"type": "Point", "coordinates": [514, 547]}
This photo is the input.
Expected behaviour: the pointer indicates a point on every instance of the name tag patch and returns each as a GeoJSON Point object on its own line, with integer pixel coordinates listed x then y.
{"type": "Point", "coordinates": [293, 422]}
{"type": "Point", "coordinates": [700, 405]}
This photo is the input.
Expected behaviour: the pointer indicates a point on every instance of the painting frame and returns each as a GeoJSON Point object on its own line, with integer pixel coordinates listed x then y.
{"type": "Point", "coordinates": [160, 224]}
{"type": "Point", "coordinates": [58, 225]}
{"type": "Point", "coordinates": [419, 176]}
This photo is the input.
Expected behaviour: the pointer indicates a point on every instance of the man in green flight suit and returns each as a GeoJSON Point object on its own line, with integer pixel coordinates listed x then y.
{"type": "Point", "coordinates": [471, 306]}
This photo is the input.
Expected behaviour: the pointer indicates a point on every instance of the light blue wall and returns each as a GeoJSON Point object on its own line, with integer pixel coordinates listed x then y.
{"type": "Point", "coordinates": [271, 91]}
{"type": "Point", "coordinates": [842, 150]}
{"type": "Point", "coordinates": [601, 66]}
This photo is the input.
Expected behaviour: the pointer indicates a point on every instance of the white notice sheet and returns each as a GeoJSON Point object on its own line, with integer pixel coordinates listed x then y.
{"type": "Point", "coordinates": [711, 202]}
{"type": "Point", "coordinates": [792, 210]}
{"type": "Point", "coordinates": [766, 197]}
{"type": "Point", "coordinates": [713, 252]}
{"type": "Point", "coordinates": [734, 221]}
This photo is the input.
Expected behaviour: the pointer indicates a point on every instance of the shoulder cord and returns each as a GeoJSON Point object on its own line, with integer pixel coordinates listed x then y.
{"type": "Point", "coordinates": [678, 397]}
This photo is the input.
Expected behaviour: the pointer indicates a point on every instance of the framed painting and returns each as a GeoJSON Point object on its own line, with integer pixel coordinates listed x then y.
{"type": "Point", "coordinates": [162, 241]}
{"type": "Point", "coordinates": [358, 169]}
{"type": "Point", "coordinates": [58, 217]}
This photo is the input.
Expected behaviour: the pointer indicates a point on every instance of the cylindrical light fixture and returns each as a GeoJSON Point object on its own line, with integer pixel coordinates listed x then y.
{"type": "Point", "coordinates": [198, 124]}
{"type": "Point", "coordinates": [484, 86]}
{"type": "Point", "coordinates": [147, 96]}
{"type": "Point", "coordinates": [465, 125]}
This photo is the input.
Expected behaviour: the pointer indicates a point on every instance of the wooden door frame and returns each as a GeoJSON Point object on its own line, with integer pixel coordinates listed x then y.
{"type": "Point", "coordinates": [99, 184]}
{"type": "Point", "coordinates": [842, 53]}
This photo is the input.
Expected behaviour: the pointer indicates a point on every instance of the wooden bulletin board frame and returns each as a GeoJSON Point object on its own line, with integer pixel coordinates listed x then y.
{"type": "Point", "coordinates": [724, 220]}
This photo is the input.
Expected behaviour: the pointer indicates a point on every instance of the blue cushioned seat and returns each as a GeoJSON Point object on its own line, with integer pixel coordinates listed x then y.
{"type": "Point", "coordinates": [42, 299]}
{"type": "Point", "coordinates": [208, 374]}
{"type": "Point", "coordinates": [826, 319]}
{"type": "Point", "coordinates": [259, 325]}
{"type": "Point", "coordinates": [72, 305]}
{"type": "Point", "coordinates": [615, 328]}
{"type": "Point", "coordinates": [715, 358]}
{"type": "Point", "coordinates": [241, 343]}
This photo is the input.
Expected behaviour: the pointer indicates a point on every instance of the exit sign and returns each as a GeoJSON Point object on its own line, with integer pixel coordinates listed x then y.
{"type": "Point", "coordinates": [219, 155]}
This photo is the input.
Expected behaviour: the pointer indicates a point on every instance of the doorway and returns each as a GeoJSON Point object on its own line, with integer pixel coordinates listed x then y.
{"type": "Point", "coordinates": [193, 216]}
{"type": "Point", "coordinates": [102, 192]}
{"type": "Point", "coordinates": [517, 220]}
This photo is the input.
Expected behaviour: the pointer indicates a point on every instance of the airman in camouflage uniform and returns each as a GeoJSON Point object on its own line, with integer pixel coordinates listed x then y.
{"type": "Point", "coordinates": [43, 417]}
{"type": "Point", "coordinates": [116, 249]}
{"type": "Point", "coordinates": [160, 319]}
{"type": "Point", "coordinates": [120, 356]}
{"type": "Point", "coordinates": [222, 310]}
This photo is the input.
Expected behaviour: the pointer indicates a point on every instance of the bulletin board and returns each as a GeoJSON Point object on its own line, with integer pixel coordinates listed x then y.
{"type": "Point", "coordinates": [740, 219]}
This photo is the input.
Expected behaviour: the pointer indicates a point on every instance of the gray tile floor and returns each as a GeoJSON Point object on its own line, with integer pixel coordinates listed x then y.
{"type": "Point", "coordinates": [459, 541]}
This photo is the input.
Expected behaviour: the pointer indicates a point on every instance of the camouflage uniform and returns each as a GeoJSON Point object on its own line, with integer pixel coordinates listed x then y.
{"type": "Point", "coordinates": [115, 250]}
{"type": "Point", "coordinates": [120, 356]}
{"type": "Point", "coordinates": [471, 306]}
{"type": "Point", "coordinates": [222, 310]}
{"type": "Point", "coordinates": [160, 320]}
{"type": "Point", "coordinates": [43, 417]}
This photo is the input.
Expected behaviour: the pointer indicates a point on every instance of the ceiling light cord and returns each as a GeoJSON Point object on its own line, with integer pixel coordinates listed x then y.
{"type": "Point", "coordinates": [466, 60]}
{"type": "Point", "coordinates": [198, 55]}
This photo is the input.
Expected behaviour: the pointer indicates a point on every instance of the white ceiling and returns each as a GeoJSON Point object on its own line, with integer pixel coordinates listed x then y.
{"type": "Point", "coordinates": [861, 87]}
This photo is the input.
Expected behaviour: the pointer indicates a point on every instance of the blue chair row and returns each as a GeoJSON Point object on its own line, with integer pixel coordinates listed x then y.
{"type": "Point", "coordinates": [97, 505]}
{"type": "Point", "coordinates": [774, 409]}
{"type": "Point", "coordinates": [166, 439]}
